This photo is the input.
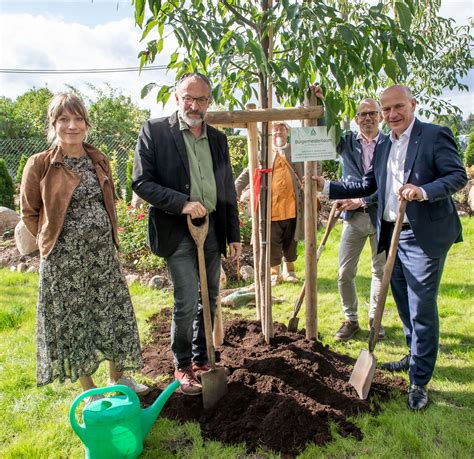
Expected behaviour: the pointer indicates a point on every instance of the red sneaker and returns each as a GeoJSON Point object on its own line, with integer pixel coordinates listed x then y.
{"type": "Point", "coordinates": [199, 369]}
{"type": "Point", "coordinates": [189, 384]}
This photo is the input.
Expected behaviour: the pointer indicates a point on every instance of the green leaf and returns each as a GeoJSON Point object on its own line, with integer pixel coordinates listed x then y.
{"type": "Point", "coordinates": [402, 63]}
{"type": "Point", "coordinates": [146, 89]}
{"type": "Point", "coordinates": [404, 15]}
{"type": "Point", "coordinates": [139, 12]}
{"type": "Point", "coordinates": [155, 6]}
{"type": "Point", "coordinates": [240, 43]}
{"type": "Point", "coordinates": [346, 33]}
{"type": "Point", "coordinates": [419, 52]}
{"type": "Point", "coordinates": [257, 52]}
{"type": "Point", "coordinates": [149, 26]}
{"type": "Point", "coordinates": [376, 60]}
{"type": "Point", "coordinates": [391, 69]}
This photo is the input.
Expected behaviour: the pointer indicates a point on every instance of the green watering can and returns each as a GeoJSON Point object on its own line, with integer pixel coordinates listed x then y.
{"type": "Point", "coordinates": [115, 427]}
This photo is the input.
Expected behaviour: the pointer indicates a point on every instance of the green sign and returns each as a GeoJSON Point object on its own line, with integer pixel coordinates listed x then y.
{"type": "Point", "coordinates": [312, 144]}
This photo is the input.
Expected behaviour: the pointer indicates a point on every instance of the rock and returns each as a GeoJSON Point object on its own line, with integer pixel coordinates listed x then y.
{"type": "Point", "coordinates": [3, 262]}
{"type": "Point", "coordinates": [32, 269]}
{"type": "Point", "coordinates": [21, 267]}
{"type": "Point", "coordinates": [131, 278]}
{"type": "Point", "coordinates": [157, 282]}
{"type": "Point", "coordinates": [12, 268]}
{"type": "Point", "coordinates": [223, 279]}
{"type": "Point", "coordinates": [8, 219]}
{"type": "Point", "coordinates": [25, 241]}
{"type": "Point", "coordinates": [470, 199]}
{"type": "Point", "coordinates": [461, 213]}
{"type": "Point", "coordinates": [246, 272]}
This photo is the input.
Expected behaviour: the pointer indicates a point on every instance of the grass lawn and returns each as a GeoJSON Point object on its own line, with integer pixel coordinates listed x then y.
{"type": "Point", "coordinates": [35, 420]}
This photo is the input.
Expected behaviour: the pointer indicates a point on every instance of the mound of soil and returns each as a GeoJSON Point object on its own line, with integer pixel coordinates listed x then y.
{"type": "Point", "coordinates": [281, 396]}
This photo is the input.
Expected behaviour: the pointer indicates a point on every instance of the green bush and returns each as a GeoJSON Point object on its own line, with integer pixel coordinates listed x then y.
{"type": "Point", "coordinates": [132, 229]}
{"type": "Point", "coordinates": [469, 153]}
{"type": "Point", "coordinates": [21, 166]}
{"type": "Point", "coordinates": [7, 187]}
{"type": "Point", "coordinates": [128, 183]}
{"type": "Point", "coordinates": [238, 153]}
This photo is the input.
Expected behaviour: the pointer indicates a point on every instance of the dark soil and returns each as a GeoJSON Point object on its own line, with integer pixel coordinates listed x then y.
{"type": "Point", "coordinates": [281, 396]}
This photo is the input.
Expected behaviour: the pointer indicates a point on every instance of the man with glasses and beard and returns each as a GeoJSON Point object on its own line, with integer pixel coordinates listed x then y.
{"type": "Point", "coordinates": [182, 167]}
{"type": "Point", "coordinates": [356, 152]}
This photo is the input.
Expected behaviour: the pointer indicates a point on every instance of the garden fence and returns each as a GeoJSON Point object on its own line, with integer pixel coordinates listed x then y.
{"type": "Point", "coordinates": [117, 148]}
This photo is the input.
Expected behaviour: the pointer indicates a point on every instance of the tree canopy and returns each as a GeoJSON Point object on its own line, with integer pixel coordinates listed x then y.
{"type": "Point", "coordinates": [352, 48]}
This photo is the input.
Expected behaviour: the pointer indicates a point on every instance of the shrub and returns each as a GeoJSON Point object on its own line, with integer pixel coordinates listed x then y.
{"type": "Point", "coordinates": [238, 153]}
{"type": "Point", "coordinates": [133, 226]}
{"type": "Point", "coordinates": [128, 183]}
{"type": "Point", "coordinates": [21, 166]}
{"type": "Point", "coordinates": [469, 153]}
{"type": "Point", "coordinates": [7, 187]}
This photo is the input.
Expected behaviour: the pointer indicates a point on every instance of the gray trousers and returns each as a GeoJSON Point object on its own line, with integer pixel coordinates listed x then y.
{"type": "Point", "coordinates": [355, 233]}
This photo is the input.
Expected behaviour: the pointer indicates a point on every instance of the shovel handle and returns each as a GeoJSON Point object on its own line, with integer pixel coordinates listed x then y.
{"type": "Point", "coordinates": [387, 274]}
{"type": "Point", "coordinates": [333, 216]}
{"type": "Point", "coordinates": [199, 234]}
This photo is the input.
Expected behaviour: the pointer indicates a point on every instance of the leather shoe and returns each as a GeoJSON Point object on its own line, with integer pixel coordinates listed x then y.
{"type": "Point", "coordinates": [381, 334]}
{"type": "Point", "coordinates": [399, 365]}
{"type": "Point", "coordinates": [347, 329]}
{"type": "Point", "coordinates": [417, 397]}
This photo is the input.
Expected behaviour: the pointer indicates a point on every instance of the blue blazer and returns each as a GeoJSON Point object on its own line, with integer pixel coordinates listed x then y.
{"type": "Point", "coordinates": [433, 163]}
{"type": "Point", "coordinates": [350, 152]}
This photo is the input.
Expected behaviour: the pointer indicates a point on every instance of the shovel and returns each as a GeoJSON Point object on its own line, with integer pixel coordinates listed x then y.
{"type": "Point", "coordinates": [214, 381]}
{"type": "Point", "coordinates": [364, 369]}
{"type": "Point", "coordinates": [333, 216]}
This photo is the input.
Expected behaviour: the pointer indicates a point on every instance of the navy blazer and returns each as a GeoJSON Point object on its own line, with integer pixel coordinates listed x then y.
{"type": "Point", "coordinates": [161, 177]}
{"type": "Point", "coordinates": [433, 163]}
{"type": "Point", "coordinates": [350, 151]}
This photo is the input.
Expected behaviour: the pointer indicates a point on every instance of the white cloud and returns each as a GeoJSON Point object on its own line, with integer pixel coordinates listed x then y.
{"type": "Point", "coordinates": [46, 42]}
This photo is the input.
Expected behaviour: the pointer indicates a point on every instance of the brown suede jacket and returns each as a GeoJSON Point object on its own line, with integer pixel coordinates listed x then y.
{"type": "Point", "coordinates": [46, 191]}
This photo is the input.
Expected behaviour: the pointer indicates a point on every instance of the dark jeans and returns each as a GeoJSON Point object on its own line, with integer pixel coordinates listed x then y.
{"type": "Point", "coordinates": [188, 342]}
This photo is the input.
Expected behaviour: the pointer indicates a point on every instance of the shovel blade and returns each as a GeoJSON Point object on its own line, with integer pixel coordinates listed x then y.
{"type": "Point", "coordinates": [363, 373]}
{"type": "Point", "coordinates": [293, 325]}
{"type": "Point", "coordinates": [214, 386]}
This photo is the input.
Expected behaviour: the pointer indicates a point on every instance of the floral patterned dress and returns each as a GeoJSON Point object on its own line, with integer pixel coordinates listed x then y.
{"type": "Point", "coordinates": [84, 312]}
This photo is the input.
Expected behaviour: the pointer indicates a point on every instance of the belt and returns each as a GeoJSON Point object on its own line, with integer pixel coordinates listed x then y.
{"type": "Point", "coordinates": [364, 210]}
{"type": "Point", "coordinates": [405, 226]}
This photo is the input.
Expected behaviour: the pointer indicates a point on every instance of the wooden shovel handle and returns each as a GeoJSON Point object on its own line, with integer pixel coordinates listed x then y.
{"type": "Point", "coordinates": [199, 234]}
{"type": "Point", "coordinates": [387, 275]}
{"type": "Point", "coordinates": [333, 216]}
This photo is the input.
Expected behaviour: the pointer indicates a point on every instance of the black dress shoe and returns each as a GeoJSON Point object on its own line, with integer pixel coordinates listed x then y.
{"type": "Point", "coordinates": [417, 397]}
{"type": "Point", "coordinates": [399, 365]}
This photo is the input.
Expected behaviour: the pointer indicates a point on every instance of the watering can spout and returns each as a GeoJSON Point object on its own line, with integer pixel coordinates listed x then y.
{"type": "Point", "coordinates": [150, 414]}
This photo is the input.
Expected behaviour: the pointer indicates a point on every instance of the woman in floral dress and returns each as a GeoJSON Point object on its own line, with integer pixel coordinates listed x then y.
{"type": "Point", "coordinates": [84, 312]}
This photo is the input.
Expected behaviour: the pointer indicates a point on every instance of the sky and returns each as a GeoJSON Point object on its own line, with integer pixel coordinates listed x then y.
{"type": "Point", "coordinates": [86, 34]}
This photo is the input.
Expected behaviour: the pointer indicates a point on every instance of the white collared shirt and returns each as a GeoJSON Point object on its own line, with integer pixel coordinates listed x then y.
{"type": "Point", "coordinates": [395, 173]}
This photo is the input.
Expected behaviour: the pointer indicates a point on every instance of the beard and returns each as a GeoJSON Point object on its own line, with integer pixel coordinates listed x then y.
{"type": "Point", "coordinates": [192, 122]}
{"type": "Point", "coordinates": [279, 142]}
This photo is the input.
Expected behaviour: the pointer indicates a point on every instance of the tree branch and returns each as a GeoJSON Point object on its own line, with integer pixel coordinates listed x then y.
{"type": "Point", "coordinates": [243, 69]}
{"type": "Point", "coordinates": [240, 16]}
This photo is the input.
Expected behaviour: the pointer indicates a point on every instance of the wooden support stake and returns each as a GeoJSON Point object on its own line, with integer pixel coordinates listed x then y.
{"type": "Point", "coordinates": [252, 139]}
{"type": "Point", "coordinates": [310, 217]}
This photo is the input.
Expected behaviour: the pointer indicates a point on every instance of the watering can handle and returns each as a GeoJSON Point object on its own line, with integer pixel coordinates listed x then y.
{"type": "Point", "coordinates": [78, 428]}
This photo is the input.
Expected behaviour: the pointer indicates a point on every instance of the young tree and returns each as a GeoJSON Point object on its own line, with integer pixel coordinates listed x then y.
{"type": "Point", "coordinates": [7, 188]}
{"type": "Point", "coordinates": [351, 48]}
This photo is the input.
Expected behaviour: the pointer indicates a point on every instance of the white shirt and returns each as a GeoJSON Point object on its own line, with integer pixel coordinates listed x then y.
{"type": "Point", "coordinates": [395, 172]}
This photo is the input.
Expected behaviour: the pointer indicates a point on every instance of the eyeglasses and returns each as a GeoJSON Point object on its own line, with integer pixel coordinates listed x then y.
{"type": "Point", "coordinates": [201, 101]}
{"type": "Point", "coordinates": [372, 114]}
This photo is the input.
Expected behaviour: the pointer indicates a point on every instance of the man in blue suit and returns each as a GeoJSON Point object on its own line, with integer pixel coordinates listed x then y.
{"type": "Point", "coordinates": [356, 151]}
{"type": "Point", "coordinates": [419, 162]}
